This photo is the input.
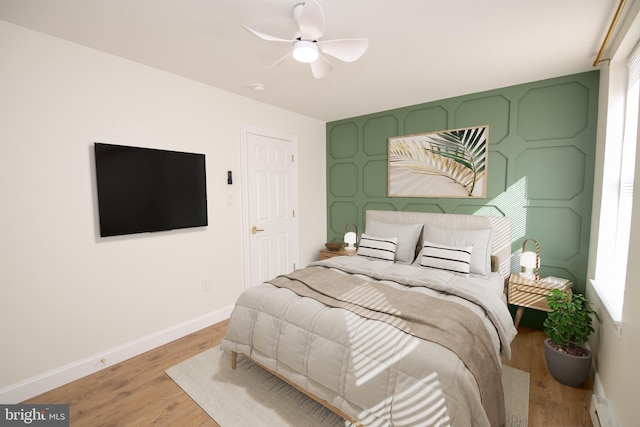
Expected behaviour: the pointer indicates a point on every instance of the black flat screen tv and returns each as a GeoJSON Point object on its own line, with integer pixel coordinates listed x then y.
{"type": "Point", "coordinates": [145, 190]}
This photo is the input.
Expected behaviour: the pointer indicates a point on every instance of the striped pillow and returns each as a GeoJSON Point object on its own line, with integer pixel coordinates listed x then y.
{"type": "Point", "coordinates": [380, 248]}
{"type": "Point", "coordinates": [448, 258]}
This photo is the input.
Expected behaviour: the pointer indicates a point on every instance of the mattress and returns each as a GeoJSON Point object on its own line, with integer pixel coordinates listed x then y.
{"type": "Point", "coordinates": [365, 361]}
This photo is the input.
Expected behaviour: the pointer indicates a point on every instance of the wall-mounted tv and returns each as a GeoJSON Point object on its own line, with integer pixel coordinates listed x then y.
{"type": "Point", "coordinates": [144, 190]}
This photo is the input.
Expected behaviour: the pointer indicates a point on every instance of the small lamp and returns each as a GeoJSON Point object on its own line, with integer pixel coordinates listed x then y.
{"type": "Point", "coordinates": [350, 238]}
{"type": "Point", "coordinates": [530, 262]}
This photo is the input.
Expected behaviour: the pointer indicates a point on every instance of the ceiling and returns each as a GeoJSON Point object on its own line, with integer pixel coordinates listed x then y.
{"type": "Point", "coordinates": [419, 50]}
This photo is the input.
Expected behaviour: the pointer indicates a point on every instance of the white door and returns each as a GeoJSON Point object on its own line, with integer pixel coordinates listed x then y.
{"type": "Point", "coordinates": [270, 223]}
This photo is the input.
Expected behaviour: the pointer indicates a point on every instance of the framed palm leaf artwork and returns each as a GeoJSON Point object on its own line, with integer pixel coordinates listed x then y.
{"type": "Point", "coordinates": [450, 163]}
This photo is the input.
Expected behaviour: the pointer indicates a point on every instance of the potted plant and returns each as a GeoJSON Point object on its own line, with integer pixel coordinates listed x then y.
{"type": "Point", "coordinates": [568, 325]}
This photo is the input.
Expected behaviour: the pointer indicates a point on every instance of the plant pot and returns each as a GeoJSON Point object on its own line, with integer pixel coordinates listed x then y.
{"type": "Point", "coordinates": [566, 368]}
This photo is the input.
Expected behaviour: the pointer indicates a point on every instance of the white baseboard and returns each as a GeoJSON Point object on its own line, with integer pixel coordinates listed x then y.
{"type": "Point", "coordinates": [39, 384]}
{"type": "Point", "coordinates": [600, 410]}
{"type": "Point", "coordinates": [597, 385]}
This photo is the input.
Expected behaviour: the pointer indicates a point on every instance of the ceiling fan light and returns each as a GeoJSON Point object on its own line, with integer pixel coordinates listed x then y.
{"type": "Point", "coordinates": [305, 51]}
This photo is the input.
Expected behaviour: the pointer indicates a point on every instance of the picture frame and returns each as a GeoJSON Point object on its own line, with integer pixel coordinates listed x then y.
{"type": "Point", "coordinates": [443, 164]}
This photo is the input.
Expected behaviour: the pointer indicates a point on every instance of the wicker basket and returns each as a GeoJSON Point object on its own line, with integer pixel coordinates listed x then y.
{"type": "Point", "coordinates": [334, 246]}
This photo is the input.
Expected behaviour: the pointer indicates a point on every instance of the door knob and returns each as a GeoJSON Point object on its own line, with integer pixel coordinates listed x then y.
{"type": "Point", "coordinates": [254, 230]}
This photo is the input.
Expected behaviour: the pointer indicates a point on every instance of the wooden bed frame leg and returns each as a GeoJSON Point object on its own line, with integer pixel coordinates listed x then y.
{"type": "Point", "coordinates": [234, 359]}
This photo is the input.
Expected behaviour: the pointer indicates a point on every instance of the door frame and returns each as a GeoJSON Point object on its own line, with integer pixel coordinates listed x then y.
{"type": "Point", "coordinates": [246, 130]}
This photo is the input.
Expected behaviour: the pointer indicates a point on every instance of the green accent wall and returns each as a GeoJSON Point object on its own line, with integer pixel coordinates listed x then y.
{"type": "Point", "coordinates": [542, 139]}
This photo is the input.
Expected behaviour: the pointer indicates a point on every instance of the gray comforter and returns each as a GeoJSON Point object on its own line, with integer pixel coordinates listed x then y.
{"type": "Point", "coordinates": [387, 344]}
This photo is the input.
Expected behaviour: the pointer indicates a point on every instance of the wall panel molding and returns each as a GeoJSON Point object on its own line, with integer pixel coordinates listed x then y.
{"type": "Point", "coordinates": [542, 139]}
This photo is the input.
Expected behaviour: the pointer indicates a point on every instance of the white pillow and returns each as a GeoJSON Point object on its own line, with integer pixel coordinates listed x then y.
{"type": "Point", "coordinates": [480, 239]}
{"type": "Point", "coordinates": [381, 248]}
{"type": "Point", "coordinates": [449, 258]}
{"type": "Point", "coordinates": [407, 235]}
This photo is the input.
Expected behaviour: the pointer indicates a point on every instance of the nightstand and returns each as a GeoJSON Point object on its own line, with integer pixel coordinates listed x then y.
{"type": "Point", "coordinates": [326, 253]}
{"type": "Point", "coordinates": [530, 293]}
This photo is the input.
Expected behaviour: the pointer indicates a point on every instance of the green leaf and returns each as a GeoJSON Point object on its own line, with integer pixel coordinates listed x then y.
{"type": "Point", "coordinates": [459, 155]}
{"type": "Point", "coordinates": [571, 318]}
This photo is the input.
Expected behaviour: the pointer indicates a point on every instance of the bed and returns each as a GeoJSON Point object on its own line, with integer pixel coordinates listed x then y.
{"type": "Point", "coordinates": [409, 331]}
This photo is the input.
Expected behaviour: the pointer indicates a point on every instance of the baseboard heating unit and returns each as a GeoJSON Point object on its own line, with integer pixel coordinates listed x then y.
{"type": "Point", "coordinates": [601, 413]}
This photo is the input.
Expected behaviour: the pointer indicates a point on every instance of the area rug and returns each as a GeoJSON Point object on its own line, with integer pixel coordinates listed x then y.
{"type": "Point", "coordinates": [250, 396]}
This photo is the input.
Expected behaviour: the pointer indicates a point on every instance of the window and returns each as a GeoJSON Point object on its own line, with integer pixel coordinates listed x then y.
{"type": "Point", "coordinates": [617, 194]}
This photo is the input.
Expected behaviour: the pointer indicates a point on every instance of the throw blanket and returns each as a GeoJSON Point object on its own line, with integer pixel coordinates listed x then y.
{"type": "Point", "coordinates": [446, 323]}
{"type": "Point", "coordinates": [471, 288]}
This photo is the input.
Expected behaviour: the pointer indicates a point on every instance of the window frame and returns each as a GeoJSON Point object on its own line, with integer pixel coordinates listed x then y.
{"type": "Point", "coordinates": [622, 129]}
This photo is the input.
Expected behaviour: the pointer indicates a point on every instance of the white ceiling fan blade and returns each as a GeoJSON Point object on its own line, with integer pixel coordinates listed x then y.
{"type": "Point", "coordinates": [281, 59]}
{"type": "Point", "coordinates": [267, 36]}
{"type": "Point", "coordinates": [321, 67]}
{"type": "Point", "coordinates": [311, 21]}
{"type": "Point", "coordinates": [347, 50]}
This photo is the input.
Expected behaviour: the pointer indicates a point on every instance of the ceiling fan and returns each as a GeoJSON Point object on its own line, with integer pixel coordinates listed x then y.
{"type": "Point", "coordinates": [307, 48]}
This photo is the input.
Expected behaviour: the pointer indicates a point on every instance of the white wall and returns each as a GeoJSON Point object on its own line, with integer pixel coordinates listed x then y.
{"type": "Point", "coordinates": [67, 294]}
{"type": "Point", "coordinates": [616, 359]}
{"type": "Point", "coordinates": [616, 353]}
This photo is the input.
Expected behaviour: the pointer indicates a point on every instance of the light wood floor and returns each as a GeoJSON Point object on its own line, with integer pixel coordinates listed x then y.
{"type": "Point", "coordinates": [137, 392]}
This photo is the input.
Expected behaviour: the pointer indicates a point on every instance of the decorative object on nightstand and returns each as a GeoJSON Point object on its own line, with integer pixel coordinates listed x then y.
{"type": "Point", "coordinates": [334, 246]}
{"type": "Point", "coordinates": [527, 290]}
{"type": "Point", "coordinates": [568, 325]}
{"type": "Point", "coordinates": [530, 262]}
{"type": "Point", "coordinates": [350, 238]}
